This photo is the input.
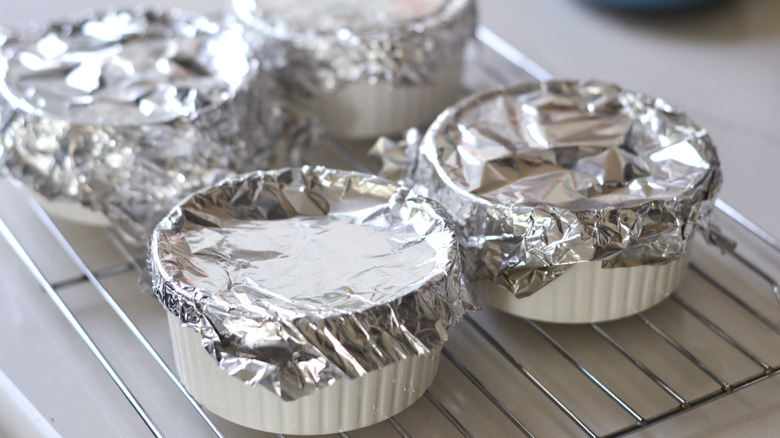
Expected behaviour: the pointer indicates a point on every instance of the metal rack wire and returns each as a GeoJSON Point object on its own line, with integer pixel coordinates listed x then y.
{"type": "Point", "coordinates": [497, 366]}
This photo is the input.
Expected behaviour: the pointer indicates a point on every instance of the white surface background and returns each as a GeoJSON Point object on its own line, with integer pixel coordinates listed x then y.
{"type": "Point", "coordinates": [720, 64]}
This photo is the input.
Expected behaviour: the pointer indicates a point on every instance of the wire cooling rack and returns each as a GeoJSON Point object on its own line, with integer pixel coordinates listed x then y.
{"type": "Point", "coordinates": [500, 376]}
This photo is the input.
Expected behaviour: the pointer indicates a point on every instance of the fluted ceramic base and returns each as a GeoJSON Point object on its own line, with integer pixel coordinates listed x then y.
{"type": "Point", "coordinates": [347, 404]}
{"type": "Point", "coordinates": [589, 293]}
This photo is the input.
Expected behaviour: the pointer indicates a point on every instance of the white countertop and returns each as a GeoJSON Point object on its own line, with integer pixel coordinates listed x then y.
{"type": "Point", "coordinates": [720, 64]}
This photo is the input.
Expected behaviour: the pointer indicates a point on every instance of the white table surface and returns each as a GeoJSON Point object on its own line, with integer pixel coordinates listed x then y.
{"type": "Point", "coordinates": [720, 64]}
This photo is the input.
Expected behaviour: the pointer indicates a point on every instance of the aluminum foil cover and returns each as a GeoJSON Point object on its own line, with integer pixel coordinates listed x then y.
{"type": "Point", "coordinates": [332, 42]}
{"type": "Point", "coordinates": [126, 111]}
{"type": "Point", "coordinates": [545, 175]}
{"type": "Point", "coordinates": [298, 277]}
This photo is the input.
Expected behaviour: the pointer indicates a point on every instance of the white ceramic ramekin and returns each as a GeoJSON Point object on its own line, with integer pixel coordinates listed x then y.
{"type": "Point", "coordinates": [346, 405]}
{"type": "Point", "coordinates": [586, 292]}
{"type": "Point", "coordinates": [312, 300]}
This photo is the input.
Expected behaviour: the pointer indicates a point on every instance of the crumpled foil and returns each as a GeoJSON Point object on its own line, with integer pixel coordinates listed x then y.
{"type": "Point", "coordinates": [127, 111]}
{"type": "Point", "coordinates": [397, 157]}
{"type": "Point", "coordinates": [298, 277]}
{"type": "Point", "coordinates": [545, 175]}
{"type": "Point", "coordinates": [330, 42]}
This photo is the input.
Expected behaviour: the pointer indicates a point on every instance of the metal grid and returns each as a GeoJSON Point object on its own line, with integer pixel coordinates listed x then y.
{"type": "Point", "coordinates": [536, 360]}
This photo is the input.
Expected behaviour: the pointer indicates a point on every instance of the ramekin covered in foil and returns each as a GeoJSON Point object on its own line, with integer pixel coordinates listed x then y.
{"type": "Point", "coordinates": [124, 112]}
{"type": "Point", "coordinates": [370, 67]}
{"type": "Point", "coordinates": [578, 200]}
{"type": "Point", "coordinates": [322, 297]}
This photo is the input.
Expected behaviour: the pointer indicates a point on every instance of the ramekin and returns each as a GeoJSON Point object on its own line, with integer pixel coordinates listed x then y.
{"type": "Point", "coordinates": [366, 68]}
{"type": "Point", "coordinates": [577, 200]}
{"type": "Point", "coordinates": [308, 301]}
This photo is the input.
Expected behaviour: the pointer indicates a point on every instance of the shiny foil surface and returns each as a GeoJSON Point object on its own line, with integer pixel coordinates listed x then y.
{"type": "Point", "coordinates": [545, 175]}
{"type": "Point", "coordinates": [127, 111]}
{"type": "Point", "coordinates": [331, 42]}
{"type": "Point", "coordinates": [298, 277]}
